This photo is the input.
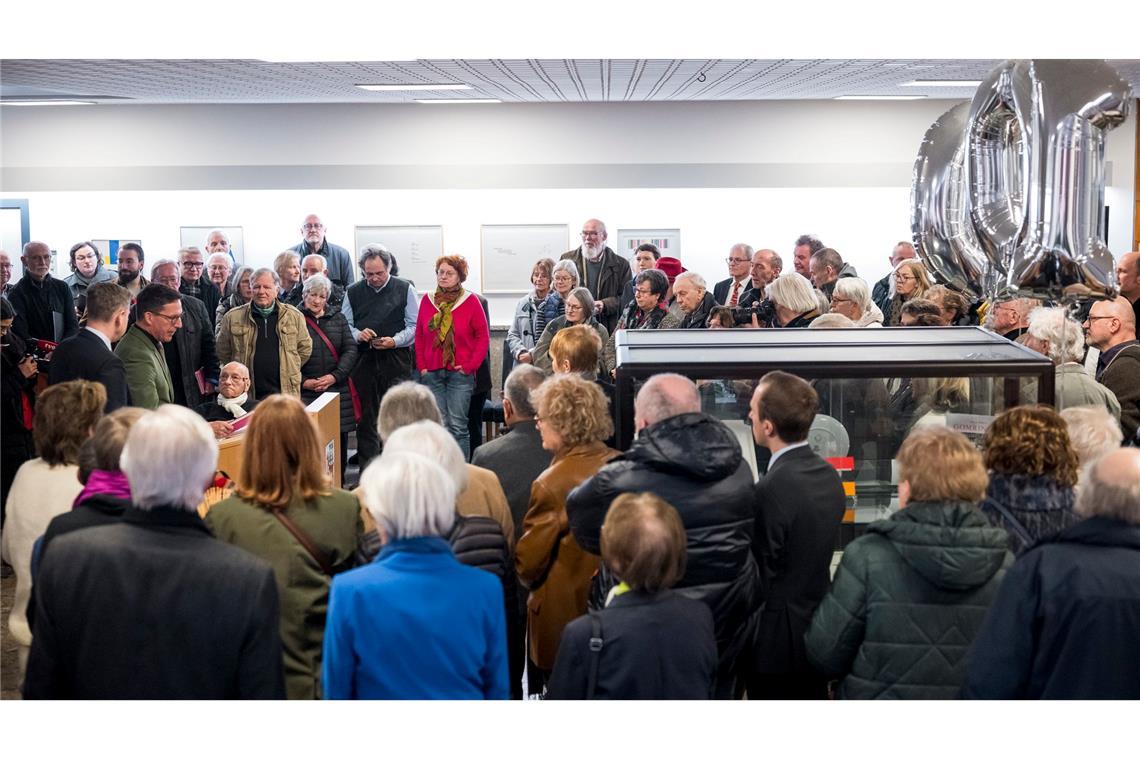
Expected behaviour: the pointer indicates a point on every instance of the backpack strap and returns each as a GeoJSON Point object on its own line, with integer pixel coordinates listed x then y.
{"type": "Point", "coordinates": [596, 644]}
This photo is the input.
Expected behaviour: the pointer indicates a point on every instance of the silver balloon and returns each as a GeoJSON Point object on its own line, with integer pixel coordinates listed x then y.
{"type": "Point", "coordinates": [1035, 173]}
{"type": "Point", "coordinates": [940, 221]}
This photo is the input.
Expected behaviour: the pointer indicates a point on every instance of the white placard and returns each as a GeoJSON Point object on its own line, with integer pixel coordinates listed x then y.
{"type": "Point", "coordinates": [510, 250]}
{"type": "Point", "coordinates": [196, 236]}
{"type": "Point", "coordinates": [415, 247]}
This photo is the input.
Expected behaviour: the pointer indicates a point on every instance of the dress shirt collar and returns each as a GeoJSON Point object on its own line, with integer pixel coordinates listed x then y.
{"type": "Point", "coordinates": [785, 450]}
{"type": "Point", "coordinates": [102, 337]}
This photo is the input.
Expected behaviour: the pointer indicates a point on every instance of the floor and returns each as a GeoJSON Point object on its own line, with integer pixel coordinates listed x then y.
{"type": "Point", "coordinates": [9, 674]}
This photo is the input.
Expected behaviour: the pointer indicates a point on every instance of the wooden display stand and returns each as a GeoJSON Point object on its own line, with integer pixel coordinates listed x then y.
{"type": "Point", "coordinates": [325, 413]}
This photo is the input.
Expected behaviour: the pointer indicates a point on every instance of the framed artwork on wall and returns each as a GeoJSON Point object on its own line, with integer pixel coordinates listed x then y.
{"type": "Point", "coordinates": [668, 241]}
{"type": "Point", "coordinates": [415, 247]}
{"type": "Point", "coordinates": [510, 250]}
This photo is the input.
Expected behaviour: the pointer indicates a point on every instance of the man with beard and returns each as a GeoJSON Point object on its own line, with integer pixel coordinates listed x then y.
{"type": "Point", "coordinates": [130, 268]}
{"type": "Point", "coordinates": [45, 308]}
{"type": "Point", "coordinates": [602, 272]}
{"type": "Point", "coordinates": [337, 258]}
{"type": "Point", "coordinates": [5, 273]}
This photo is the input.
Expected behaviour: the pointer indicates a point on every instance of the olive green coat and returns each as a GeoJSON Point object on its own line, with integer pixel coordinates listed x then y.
{"type": "Point", "coordinates": [333, 523]}
{"type": "Point", "coordinates": [148, 377]}
{"type": "Point", "coordinates": [237, 339]}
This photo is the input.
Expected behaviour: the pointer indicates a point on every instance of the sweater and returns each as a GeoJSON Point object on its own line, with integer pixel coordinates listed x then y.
{"type": "Point", "coordinates": [472, 335]}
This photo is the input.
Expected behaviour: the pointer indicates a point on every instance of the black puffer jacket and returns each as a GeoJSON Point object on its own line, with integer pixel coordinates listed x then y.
{"type": "Point", "coordinates": [321, 362]}
{"type": "Point", "coordinates": [694, 462]}
{"type": "Point", "coordinates": [907, 601]}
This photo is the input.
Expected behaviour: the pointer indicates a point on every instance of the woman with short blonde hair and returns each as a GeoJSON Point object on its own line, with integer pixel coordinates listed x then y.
{"type": "Point", "coordinates": [573, 419]}
{"type": "Point", "coordinates": [286, 511]}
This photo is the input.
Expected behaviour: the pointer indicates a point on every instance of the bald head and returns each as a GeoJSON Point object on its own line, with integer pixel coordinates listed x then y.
{"type": "Point", "coordinates": [665, 396]}
{"type": "Point", "coordinates": [1113, 487]}
{"type": "Point", "coordinates": [1128, 275]}
{"type": "Point", "coordinates": [233, 380]}
{"type": "Point", "coordinates": [1110, 323]}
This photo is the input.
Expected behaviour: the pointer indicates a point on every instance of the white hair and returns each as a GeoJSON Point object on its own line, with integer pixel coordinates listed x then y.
{"type": "Point", "coordinates": [1114, 493]}
{"type": "Point", "coordinates": [431, 439]}
{"type": "Point", "coordinates": [261, 272]}
{"type": "Point", "coordinates": [169, 458]}
{"type": "Point", "coordinates": [318, 257]}
{"type": "Point", "coordinates": [319, 283]}
{"type": "Point", "coordinates": [566, 265]}
{"type": "Point", "coordinates": [698, 281]}
{"type": "Point", "coordinates": [831, 319]}
{"type": "Point", "coordinates": [1093, 431]}
{"type": "Point", "coordinates": [165, 263]}
{"type": "Point", "coordinates": [404, 404]}
{"type": "Point", "coordinates": [854, 289]}
{"type": "Point", "coordinates": [1064, 335]}
{"type": "Point", "coordinates": [408, 495]}
{"type": "Point", "coordinates": [666, 395]}
{"type": "Point", "coordinates": [220, 257]}
{"type": "Point", "coordinates": [793, 291]}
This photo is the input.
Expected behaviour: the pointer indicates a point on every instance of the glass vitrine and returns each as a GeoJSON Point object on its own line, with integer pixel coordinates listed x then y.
{"type": "Point", "coordinates": [875, 385]}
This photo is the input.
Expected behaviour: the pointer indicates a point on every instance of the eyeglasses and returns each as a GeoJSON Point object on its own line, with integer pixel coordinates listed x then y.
{"type": "Point", "coordinates": [641, 292]}
{"type": "Point", "coordinates": [835, 300]}
{"type": "Point", "coordinates": [731, 260]}
{"type": "Point", "coordinates": [312, 226]}
{"type": "Point", "coordinates": [192, 265]}
{"type": "Point", "coordinates": [573, 307]}
{"type": "Point", "coordinates": [1093, 319]}
{"type": "Point", "coordinates": [174, 320]}
{"type": "Point", "coordinates": [588, 233]}
{"type": "Point", "coordinates": [905, 277]}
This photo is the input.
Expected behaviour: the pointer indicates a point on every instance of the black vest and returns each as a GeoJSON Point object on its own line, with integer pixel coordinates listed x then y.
{"type": "Point", "coordinates": [383, 311]}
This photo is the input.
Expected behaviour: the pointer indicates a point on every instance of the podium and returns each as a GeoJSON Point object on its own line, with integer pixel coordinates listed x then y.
{"type": "Point", "coordinates": [325, 413]}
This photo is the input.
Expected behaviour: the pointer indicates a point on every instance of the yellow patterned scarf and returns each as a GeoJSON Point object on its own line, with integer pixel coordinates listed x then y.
{"type": "Point", "coordinates": [441, 323]}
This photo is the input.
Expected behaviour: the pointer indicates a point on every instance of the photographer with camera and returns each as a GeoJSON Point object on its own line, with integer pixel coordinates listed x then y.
{"type": "Point", "coordinates": [793, 301]}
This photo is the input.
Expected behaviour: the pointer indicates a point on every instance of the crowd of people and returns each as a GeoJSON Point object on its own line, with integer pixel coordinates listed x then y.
{"type": "Point", "coordinates": [544, 562]}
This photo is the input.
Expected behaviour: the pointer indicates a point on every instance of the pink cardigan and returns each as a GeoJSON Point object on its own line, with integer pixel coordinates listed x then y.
{"type": "Point", "coordinates": [472, 335]}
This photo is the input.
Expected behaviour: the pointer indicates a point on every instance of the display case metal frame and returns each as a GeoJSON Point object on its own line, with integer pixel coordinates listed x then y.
{"type": "Point", "coordinates": [745, 354]}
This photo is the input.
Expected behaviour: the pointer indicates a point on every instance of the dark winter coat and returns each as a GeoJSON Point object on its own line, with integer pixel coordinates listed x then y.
{"type": "Point", "coordinates": [1066, 622]}
{"type": "Point", "coordinates": [694, 462]}
{"type": "Point", "coordinates": [335, 327]}
{"type": "Point", "coordinates": [907, 601]}
{"type": "Point", "coordinates": [1029, 508]}
{"type": "Point", "coordinates": [699, 317]}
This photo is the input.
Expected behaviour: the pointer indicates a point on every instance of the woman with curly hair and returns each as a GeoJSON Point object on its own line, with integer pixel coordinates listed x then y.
{"type": "Point", "coordinates": [1033, 469]}
{"type": "Point", "coordinates": [573, 419]}
{"type": "Point", "coordinates": [452, 339]}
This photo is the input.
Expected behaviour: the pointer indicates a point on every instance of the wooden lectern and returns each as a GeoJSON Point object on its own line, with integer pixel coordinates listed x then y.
{"type": "Point", "coordinates": [325, 413]}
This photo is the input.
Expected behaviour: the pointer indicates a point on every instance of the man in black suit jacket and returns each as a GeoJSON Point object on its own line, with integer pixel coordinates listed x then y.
{"type": "Point", "coordinates": [799, 506]}
{"type": "Point", "coordinates": [739, 276]}
{"type": "Point", "coordinates": [155, 607]}
{"type": "Point", "coordinates": [87, 355]}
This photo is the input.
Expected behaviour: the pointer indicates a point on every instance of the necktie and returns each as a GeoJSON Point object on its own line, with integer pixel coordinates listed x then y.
{"type": "Point", "coordinates": [735, 293]}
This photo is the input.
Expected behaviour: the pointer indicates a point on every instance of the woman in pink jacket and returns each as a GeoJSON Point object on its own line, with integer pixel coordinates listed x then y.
{"type": "Point", "coordinates": [452, 339]}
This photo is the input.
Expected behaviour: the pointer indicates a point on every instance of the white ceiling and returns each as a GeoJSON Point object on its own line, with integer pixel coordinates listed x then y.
{"type": "Point", "coordinates": [517, 81]}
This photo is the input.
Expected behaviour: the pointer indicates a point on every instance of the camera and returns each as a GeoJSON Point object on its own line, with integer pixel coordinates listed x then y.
{"type": "Point", "coordinates": [765, 312]}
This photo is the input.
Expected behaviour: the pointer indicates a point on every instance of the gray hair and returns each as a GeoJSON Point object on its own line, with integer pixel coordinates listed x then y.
{"type": "Point", "coordinates": [375, 251]}
{"type": "Point", "coordinates": [519, 385]}
{"type": "Point", "coordinates": [408, 495]}
{"type": "Point", "coordinates": [431, 440]}
{"type": "Point", "coordinates": [854, 289]}
{"type": "Point", "coordinates": [831, 319]}
{"type": "Point", "coordinates": [823, 303]}
{"type": "Point", "coordinates": [749, 251]}
{"type": "Point", "coordinates": [829, 257]}
{"type": "Point", "coordinates": [658, 282]}
{"type": "Point", "coordinates": [811, 241]}
{"type": "Point", "coordinates": [241, 272]}
{"type": "Point", "coordinates": [793, 291]}
{"type": "Point", "coordinates": [774, 259]}
{"type": "Point", "coordinates": [1114, 494]}
{"type": "Point", "coordinates": [404, 404]}
{"type": "Point", "coordinates": [257, 273]}
{"type": "Point", "coordinates": [584, 297]}
{"type": "Point", "coordinates": [666, 395]}
{"type": "Point", "coordinates": [165, 263]}
{"type": "Point", "coordinates": [698, 281]}
{"type": "Point", "coordinates": [169, 457]}
{"type": "Point", "coordinates": [1063, 333]}
{"type": "Point", "coordinates": [318, 283]}
{"type": "Point", "coordinates": [566, 265]}
{"type": "Point", "coordinates": [220, 257]}
{"type": "Point", "coordinates": [1093, 432]}
{"type": "Point", "coordinates": [318, 257]}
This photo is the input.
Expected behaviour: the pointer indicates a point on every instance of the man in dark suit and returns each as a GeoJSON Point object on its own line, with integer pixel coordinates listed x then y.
{"type": "Point", "coordinates": [601, 271]}
{"type": "Point", "coordinates": [155, 607]}
{"type": "Point", "coordinates": [799, 505]}
{"type": "Point", "coordinates": [728, 292]}
{"type": "Point", "coordinates": [87, 355]}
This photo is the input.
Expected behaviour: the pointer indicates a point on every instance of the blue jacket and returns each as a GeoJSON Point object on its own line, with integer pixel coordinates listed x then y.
{"type": "Point", "coordinates": [415, 624]}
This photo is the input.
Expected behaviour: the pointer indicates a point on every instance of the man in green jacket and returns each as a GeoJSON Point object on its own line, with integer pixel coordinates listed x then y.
{"type": "Point", "coordinates": [159, 311]}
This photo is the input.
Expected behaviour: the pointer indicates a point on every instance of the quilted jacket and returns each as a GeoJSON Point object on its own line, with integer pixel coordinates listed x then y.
{"type": "Point", "coordinates": [907, 601]}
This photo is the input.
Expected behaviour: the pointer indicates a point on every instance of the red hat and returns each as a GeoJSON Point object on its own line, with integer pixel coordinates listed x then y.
{"type": "Point", "coordinates": [671, 267]}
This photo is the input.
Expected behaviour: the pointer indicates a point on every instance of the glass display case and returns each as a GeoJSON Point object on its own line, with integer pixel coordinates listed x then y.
{"type": "Point", "coordinates": [875, 385]}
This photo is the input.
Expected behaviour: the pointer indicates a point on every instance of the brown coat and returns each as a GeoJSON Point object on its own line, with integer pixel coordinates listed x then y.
{"type": "Point", "coordinates": [548, 559]}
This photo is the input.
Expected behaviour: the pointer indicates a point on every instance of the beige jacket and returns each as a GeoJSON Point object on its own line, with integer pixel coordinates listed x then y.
{"type": "Point", "coordinates": [237, 338]}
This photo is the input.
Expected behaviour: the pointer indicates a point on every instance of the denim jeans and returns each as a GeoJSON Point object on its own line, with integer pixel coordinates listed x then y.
{"type": "Point", "coordinates": [452, 391]}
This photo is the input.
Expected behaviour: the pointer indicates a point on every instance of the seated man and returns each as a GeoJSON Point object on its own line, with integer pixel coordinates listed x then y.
{"type": "Point", "coordinates": [232, 402]}
{"type": "Point", "coordinates": [154, 607]}
{"type": "Point", "coordinates": [655, 643]}
{"type": "Point", "coordinates": [695, 300]}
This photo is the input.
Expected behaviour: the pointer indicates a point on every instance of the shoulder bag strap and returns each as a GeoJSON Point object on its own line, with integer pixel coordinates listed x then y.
{"type": "Point", "coordinates": [1012, 521]}
{"type": "Point", "coordinates": [356, 406]}
{"type": "Point", "coordinates": [596, 643]}
{"type": "Point", "coordinates": [304, 541]}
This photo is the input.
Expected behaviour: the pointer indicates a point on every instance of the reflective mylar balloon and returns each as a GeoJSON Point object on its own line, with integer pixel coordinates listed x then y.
{"type": "Point", "coordinates": [940, 221]}
{"type": "Point", "coordinates": [1035, 173]}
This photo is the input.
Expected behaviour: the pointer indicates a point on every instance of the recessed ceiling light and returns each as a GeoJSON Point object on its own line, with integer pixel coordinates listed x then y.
{"type": "Point", "coordinates": [880, 97]}
{"type": "Point", "coordinates": [942, 83]}
{"type": "Point", "coordinates": [407, 87]}
{"type": "Point", "coordinates": [47, 103]}
{"type": "Point", "coordinates": [464, 101]}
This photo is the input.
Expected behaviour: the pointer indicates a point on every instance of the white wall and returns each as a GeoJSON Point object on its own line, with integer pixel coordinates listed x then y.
{"type": "Point", "coordinates": [761, 172]}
